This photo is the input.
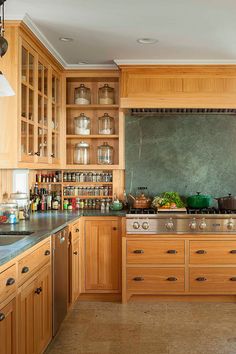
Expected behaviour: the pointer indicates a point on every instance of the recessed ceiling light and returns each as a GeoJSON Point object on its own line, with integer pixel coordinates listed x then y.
{"type": "Point", "coordinates": [147, 40]}
{"type": "Point", "coordinates": [66, 39]}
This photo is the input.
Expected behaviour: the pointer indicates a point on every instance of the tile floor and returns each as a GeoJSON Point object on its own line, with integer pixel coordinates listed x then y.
{"type": "Point", "coordinates": [147, 328]}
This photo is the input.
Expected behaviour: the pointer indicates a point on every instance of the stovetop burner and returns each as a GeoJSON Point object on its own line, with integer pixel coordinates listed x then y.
{"type": "Point", "coordinates": [210, 211]}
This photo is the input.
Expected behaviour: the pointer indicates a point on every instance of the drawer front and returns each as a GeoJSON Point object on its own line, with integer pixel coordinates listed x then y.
{"type": "Point", "coordinates": [213, 280]}
{"type": "Point", "coordinates": [8, 282]}
{"type": "Point", "coordinates": [75, 232]}
{"type": "Point", "coordinates": [155, 280]}
{"type": "Point", "coordinates": [213, 252]}
{"type": "Point", "coordinates": [34, 261]}
{"type": "Point", "coordinates": [155, 252]}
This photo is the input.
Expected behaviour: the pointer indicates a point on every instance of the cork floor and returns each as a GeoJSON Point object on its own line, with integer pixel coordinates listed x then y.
{"type": "Point", "coordinates": [147, 328]}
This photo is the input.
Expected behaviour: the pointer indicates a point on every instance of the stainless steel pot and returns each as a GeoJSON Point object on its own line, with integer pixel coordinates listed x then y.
{"type": "Point", "coordinates": [227, 203]}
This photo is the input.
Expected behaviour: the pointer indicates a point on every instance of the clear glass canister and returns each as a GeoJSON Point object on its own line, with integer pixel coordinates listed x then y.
{"type": "Point", "coordinates": [105, 154]}
{"type": "Point", "coordinates": [81, 153]}
{"type": "Point", "coordinates": [82, 125]}
{"type": "Point", "coordinates": [106, 95]}
{"type": "Point", "coordinates": [82, 95]}
{"type": "Point", "coordinates": [106, 124]}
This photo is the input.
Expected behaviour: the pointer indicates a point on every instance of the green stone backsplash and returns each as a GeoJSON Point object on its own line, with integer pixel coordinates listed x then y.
{"type": "Point", "coordinates": [183, 153]}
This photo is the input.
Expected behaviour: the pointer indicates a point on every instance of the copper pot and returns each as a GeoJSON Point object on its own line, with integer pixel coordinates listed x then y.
{"type": "Point", "coordinates": [141, 202]}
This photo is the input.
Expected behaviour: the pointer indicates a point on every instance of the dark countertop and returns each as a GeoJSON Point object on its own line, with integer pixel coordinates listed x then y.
{"type": "Point", "coordinates": [43, 225]}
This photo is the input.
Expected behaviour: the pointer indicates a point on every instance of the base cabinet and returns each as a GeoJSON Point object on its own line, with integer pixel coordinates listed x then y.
{"type": "Point", "coordinates": [102, 255]}
{"type": "Point", "coordinates": [75, 270]}
{"type": "Point", "coordinates": [8, 340]}
{"type": "Point", "coordinates": [35, 313]}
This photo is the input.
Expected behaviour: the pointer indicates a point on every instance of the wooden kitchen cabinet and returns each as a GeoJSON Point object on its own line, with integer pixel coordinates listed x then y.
{"type": "Point", "coordinates": [35, 313]}
{"type": "Point", "coordinates": [102, 247]}
{"type": "Point", "coordinates": [8, 325]}
{"type": "Point", "coordinates": [75, 270]}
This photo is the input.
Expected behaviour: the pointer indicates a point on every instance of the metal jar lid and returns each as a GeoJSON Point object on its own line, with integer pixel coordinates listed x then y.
{"type": "Point", "coordinates": [82, 144]}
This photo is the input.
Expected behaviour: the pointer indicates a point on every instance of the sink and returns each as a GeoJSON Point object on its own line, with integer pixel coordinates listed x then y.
{"type": "Point", "coordinates": [9, 240]}
{"type": "Point", "coordinates": [16, 233]}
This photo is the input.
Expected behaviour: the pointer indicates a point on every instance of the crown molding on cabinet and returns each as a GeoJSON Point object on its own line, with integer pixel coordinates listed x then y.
{"type": "Point", "coordinates": [120, 62]}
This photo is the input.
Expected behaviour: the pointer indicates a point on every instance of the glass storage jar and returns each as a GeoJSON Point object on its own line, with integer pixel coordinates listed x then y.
{"type": "Point", "coordinates": [82, 95]}
{"type": "Point", "coordinates": [81, 153]}
{"type": "Point", "coordinates": [106, 124]}
{"type": "Point", "coordinates": [9, 213]}
{"type": "Point", "coordinates": [106, 95]}
{"type": "Point", "coordinates": [105, 154]}
{"type": "Point", "coordinates": [82, 124]}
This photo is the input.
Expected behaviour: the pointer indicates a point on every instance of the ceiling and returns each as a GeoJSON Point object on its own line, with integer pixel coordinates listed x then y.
{"type": "Point", "coordinates": [104, 30]}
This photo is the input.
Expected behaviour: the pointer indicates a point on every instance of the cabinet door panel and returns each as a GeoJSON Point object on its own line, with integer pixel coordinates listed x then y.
{"type": "Point", "coordinates": [102, 247]}
{"type": "Point", "coordinates": [75, 271]}
{"type": "Point", "coordinates": [8, 328]}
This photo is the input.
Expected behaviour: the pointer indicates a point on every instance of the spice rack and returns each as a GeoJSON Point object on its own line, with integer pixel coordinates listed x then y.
{"type": "Point", "coordinates": [93, 81]}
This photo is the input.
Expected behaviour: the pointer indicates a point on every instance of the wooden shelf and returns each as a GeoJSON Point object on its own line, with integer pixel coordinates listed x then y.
{"type": "Point", "coordinates": [96, 136]}
{"type": "Point", "coordinates": [54, 183]}
{"type": "Point", "coordinates": [92, 106]}
{"type": "Point", "coordinates": [87, 183]}
{"type": "Point", "coordinates": [91, 167]}
{"type": "Point", "coordinates": [88, 196]}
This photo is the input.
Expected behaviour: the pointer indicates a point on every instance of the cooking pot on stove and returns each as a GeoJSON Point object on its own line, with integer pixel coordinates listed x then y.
{"type": "Point", "coordinates": [199, 201]}
{"type": "Point", "coordinates": [227, 203]}
{"type": "Point", "coordinates": [141, 200]}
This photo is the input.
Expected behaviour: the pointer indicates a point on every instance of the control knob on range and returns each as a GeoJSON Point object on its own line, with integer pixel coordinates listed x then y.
{"type": "Point", "coordinates": [202, 224]}
{"type": "Point", "coordinates": [145, 225]}
{"type": "Point", "coordinates": [136, 225]}
{"type": "Point", "coordinates": [230, 224]}
{"type": "Point", "coordinates": [170, 225]}
{"type": "Point", "coordinates": [193, 224]}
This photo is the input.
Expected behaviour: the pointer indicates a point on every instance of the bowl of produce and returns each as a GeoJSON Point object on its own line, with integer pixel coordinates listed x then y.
{"type": "Point", "coordinates": [168, 200]}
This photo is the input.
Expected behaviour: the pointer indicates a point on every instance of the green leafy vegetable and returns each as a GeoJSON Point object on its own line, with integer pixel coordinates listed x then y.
{"type": "Point", "coordinates": [168, 198]}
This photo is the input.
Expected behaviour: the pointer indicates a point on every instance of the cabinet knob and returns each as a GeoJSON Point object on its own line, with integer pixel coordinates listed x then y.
{"type": "Point", "coordinates": [38, 290]}
{"type": "Point", "coordinates": [138, 279]}
{"type": "Point", "coordinates": [233, 279]}
{"type": "Point", "coordinates": [114, 228]}
{"type": "Point", "coordinates": [47, 253]}
{"type": "Point", "coordinates": [201, 252]}
{"type": "Point", "coordinates": [138, 251]}
{"type": "Point", "coordinates": [201, 279]}
{"type": "Point", "coordinates": [75, 253]}
{"type": "Point", "coordinates": [2, 317]}
{"type": "Point", "coordinates": [10, 281]}
{"type": "Point", "coordinates": [25, 270]}
{"type": "Point", "coordinates": [233, 251]}
{"type": "Point", "coordinates": [37, 153]}
{"type": "Point", "coordinates": [172, 279]}
{"type": "Point", "coordinates": [76, 230]}
{"type": "Point", "coordinates": [172, 251]}
{"type": "Point", "coordinates": [52, 155]}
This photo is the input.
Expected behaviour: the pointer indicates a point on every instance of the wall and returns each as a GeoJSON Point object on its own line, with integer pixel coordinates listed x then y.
{"type": "Point", "coordinates": [183, 153]}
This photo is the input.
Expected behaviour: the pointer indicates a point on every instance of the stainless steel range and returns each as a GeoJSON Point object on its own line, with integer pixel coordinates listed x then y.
{"type": "Point", "coordinates": [169, 223]}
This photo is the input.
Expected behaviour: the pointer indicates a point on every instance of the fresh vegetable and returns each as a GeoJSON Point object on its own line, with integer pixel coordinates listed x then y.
{"type": "Point", "coordinates": [168, 200]}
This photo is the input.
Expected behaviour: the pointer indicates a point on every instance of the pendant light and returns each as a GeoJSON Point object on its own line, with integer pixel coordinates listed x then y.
{"type": "Point", "coordinates": [5, 87]}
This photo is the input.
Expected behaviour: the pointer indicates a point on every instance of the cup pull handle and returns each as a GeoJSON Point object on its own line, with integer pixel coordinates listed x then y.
{"type": "Point", "coordinates": [2, 317]}
{"type": "Point", "coordinates": [201, 252]}
{"type": "Point", "coordinates": [25, 270]}
{"type": "Point", "coordinates": [138, 251]}
{"type": "Point", "coordinates": [201, 279]}
{"type": "Point", "coordinates": [233, 251]}
{"type": "Point", "coordinates": [172, 251]}
{"type": "Point", "coordinates": [172, 279]}
{"type": "Point", "coordinates": [233, 279]}
{"type": "Point", "coordinates": [138, 279]}
{"type": "Point", "coordinates": [10, 281]}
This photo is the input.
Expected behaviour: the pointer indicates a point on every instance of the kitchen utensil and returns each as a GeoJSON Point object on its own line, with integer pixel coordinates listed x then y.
{"type": "Point", "coordinates": [141, 200]}
{"type": "Point", "coordinates": [227, 203]}
{"type": "Point", "coordinates": [199, 201]}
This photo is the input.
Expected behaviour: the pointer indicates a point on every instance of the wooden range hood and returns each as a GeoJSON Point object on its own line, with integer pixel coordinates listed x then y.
{"type": "Point", "coordinates": [178, 86]}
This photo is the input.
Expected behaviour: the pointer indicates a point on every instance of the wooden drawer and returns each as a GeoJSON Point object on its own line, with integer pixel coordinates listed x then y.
{"type": "Point", "coordinates": [75, 233]}
{"type": "Point", "coordinates": [155, 280]}
{"type": "Point", "coordinates": [8, 283]}
{"type": "Point", "coordinates": [34, 261]}
{"type": "Point", "coordinates": [213, 280]}
{"type": "Point", "coordinates": [155, 252]}
{"type": "Point", "coordinates": [212, 252]}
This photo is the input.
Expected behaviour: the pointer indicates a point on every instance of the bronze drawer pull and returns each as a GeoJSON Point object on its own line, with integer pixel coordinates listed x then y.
{"type": "Point", "coordinates": [232, 251]}
{"type": "Point", "coordinates": [233, 279]}
{"type": "Point", "coordinates": [114, 228]}
{"type": "Point", "coordinates": [10, 281]}
{"type": "Point", "coordinates": [47, 253]}
{"type": "Point", "coordinates": [138, 251]}
{"type": "Point", "coordinates": [76, 230]}
{"type": "Point", "coordinates": [172, 279]}
{"type": "Point", "coordinates": [138, 279]}
{"type": "Point", "coordinates": [2, 317]}
{"type": "Point", "coordinates": [38, 290]}
{"type": "Point", "coordinates": [201, 279]}
{"type": "Point", "coordinates": [172, 251]}
{"type": "Point", "coordinates": [25, 270]}
{"type": "Point", "coordinates": [201, 252]}
{"type": "Point", "coordinates": [75, 253]}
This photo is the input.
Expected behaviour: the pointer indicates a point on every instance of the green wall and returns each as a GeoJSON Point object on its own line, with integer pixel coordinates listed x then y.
{"type": "Point", "coordinates": [183, 153]}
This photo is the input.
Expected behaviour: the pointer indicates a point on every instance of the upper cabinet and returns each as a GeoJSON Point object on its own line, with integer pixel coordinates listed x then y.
{"type": "Point", "coordinates": [178, 86]}
{"type": "Point", "coordinates": [32, 117]}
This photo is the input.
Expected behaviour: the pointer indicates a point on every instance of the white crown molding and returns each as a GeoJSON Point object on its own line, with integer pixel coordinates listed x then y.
{"type": "Point", "coordinates": [174, 62]}
{"type": "Point", "coordinates": [91, 67]}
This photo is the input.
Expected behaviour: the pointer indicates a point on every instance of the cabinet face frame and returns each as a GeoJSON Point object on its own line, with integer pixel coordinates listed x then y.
{"type": "Point", "coordinates": [8, 328]}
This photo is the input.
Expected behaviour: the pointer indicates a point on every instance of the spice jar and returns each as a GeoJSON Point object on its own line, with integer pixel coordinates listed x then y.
{"type": "Point", "coordinates": [82, 95]}
{"type": "Point", "coordinates": [81, 153]}
{"type": "Point", "coordinates": [82, 125]}
{"type": "Point", "coordinates": [105, 154]}
{"type": "Point", "coordinates": [106, 95]}
{"type": "Point", "coordinates": [106, 124]}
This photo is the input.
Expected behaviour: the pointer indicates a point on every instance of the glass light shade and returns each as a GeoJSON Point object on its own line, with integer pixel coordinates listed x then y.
{"type": "Point", "coordinates": [5, 87]}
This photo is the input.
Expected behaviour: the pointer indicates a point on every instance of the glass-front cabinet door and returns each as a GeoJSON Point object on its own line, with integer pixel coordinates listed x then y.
{"type": "Point", "coordinates": [28, 104]}
{"type": "Point", "coordinates": [55, 123]}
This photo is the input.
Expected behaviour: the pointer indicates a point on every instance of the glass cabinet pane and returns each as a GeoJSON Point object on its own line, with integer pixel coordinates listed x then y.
{"type": "Point", "coordinates": [45, 112]}
{"type": "Point", "coordinates": [45, 143]}
{"type": "Point", "coordinates": [45, 81]}
{"type": "Point", "coordinates": [31, 105]}
{"type": "Point", "coordinates": [23, 101]}
{"type": "Point", "coordinates": [55, 144]}
{"type": "Point", "coordinates": [31, 69]}
{"type": "Point", "coordinates": [23, 138]}
{"type": "Point", "coordinates": [40, 109]}
{"type": "Point", "coordinates": [40, 77]}
{"type": "Point", "coordinates": [31, 149]}
{"type": "Point", "coordinates": [24, 64]}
